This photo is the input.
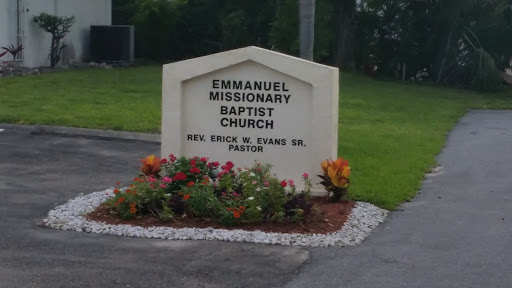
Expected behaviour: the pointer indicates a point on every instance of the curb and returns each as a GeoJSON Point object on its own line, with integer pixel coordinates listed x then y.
{"type": "Point", "coordinates": [108, 135]}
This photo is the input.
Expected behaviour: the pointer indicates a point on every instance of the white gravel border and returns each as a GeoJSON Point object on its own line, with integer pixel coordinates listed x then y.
{"type": "Point", "coordinates": [363, 219]}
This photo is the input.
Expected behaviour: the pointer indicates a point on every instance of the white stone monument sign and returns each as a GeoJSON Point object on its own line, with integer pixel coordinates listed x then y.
{"type": "Point", "coordinates": [250, 105]}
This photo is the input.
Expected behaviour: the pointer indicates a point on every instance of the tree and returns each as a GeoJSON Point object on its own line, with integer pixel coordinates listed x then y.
{"type": "Point", "coordinates": [344, 11]}
{"type": "Point", "coordinates": [307, 28]}
{"type": "Point", "coordinates": [58, 27]}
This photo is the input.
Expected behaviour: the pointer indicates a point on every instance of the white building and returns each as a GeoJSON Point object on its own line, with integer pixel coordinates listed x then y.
{"type": "Point", "coordinates": [17, 27]}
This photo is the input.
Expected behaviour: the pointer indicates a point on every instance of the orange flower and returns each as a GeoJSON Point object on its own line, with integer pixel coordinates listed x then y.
{"type": "Point", "coordinates": [186, 197]}
{"type": "Point", "coordinates": [121, 200]}
{"type": "Point", "coordinates": [190, 184]}
{"type": "Point", "coordinates": [133, 204]}
{"type": "Point", "coordinates": [150, 165]}
{"type": "Point", "coordinates": [236, 214]}
{"type": "Point", "coordinates": [338, 171]}
{"type": "Point", "coordinates": [133, 210]}
{"type": "Point", "coordinates": [116, 191]}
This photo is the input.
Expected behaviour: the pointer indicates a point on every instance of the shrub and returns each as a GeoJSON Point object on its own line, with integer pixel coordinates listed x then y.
{"type": "Point", "coordinates": [58, 27]}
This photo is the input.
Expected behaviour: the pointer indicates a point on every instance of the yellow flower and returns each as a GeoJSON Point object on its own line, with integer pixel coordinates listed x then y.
{"type": "Point", "coordinates": [325, 165]}
{"type": "Point", "coordinates": [345, 172]}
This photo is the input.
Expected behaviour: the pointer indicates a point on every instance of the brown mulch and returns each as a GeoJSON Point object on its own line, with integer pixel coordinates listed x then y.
{"type": "Point", "coordinates": [331, 219]}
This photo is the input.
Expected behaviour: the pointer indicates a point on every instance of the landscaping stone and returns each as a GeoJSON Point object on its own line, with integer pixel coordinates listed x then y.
{"type": "Point", "coordinates": [71, 216]}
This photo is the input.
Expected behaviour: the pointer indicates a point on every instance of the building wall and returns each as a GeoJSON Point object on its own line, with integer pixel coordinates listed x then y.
{"type": "Point", "coordinates": [3, 25]}
{"type": "Point", "coordinates": [87, 13]}
{"type": "Point", "coordinates": [7, 25]}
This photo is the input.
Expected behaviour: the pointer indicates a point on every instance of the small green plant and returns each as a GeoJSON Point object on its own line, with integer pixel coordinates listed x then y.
{"type": "Point", "coordinates": [58, 27]}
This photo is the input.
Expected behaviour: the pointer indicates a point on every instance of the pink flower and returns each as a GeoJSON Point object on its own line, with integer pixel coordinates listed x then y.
{"type": "Point", "coordinates": [223, 172]}
{"type": "Point", "coordinates": [204, 159]}
{"type": "Point", "coordinates": [254, 182]}
{"type": "Point", "coordinates": [223, 194]}
{"type": "Point", "coordinates": [305, 175]}
{"type": "Point", "coordinates": [151, 179]}
{"type": "Point", "coordinates": [166, 180]}
{"type": "Point", "coordinates": [235, 194]}
{"type": "Point", "coordinates": [291, 182]}
{"type": "Point", "coordinates": [163, 185]}
{"type": "Point", "coordinates": [193, 163]}
{"type": "Point", "coordinates": [172, 158]}
{"type": "Point", "coordinates": [266, 184]}
{"type": "Point", "coordinates": [152, 186]}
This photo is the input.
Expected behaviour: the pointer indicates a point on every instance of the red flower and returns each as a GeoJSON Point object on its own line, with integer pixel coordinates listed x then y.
{"type": "Point", "coordinates": [172, 158]}
{"type": "Point", "coordinates": [204, 159]}
{"type": "Point", "coordinates": [163, 161]}
{"type": "Point", "coordinates": [283, 183]}
{"type": "Point", "coordinates": [193, 163]}
{"type": "Point", "coordinates": [139, 180]}
{"type": "Point", "coordinates": [186, 197]}
{"type": "Point", "coordinates": [305, 175]}
{"type": "Point", "coordinates": [190, 184]}
{"type": "Point", "coordinates": [179, 176]}
{"type": "Point", "coordinates": [117, 183]}
{"type": "Point", "coordinates": [195, 170]}
{"type": "Point", "coordinates": [236, 214]}
{"type": "Point", "coordinates": [116, 191]}
{"type": "Point", "coordinates": [228, 166]}
{"type": "Point", "coordinates": [215, 164]}
{"type": "Point", "coordinates": [121, 200]}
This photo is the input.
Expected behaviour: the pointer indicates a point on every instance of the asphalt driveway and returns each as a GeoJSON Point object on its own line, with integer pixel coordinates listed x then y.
{"type": "Point", "coordinates": [456, 233]}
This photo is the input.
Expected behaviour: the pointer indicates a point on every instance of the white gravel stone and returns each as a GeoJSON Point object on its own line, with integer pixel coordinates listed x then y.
{"type": "Point", "coordinates": [363, 219]}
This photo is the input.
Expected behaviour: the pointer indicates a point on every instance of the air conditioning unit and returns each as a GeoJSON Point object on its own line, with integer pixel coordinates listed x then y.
{"type": "Point", "coordinates": [114, 43]}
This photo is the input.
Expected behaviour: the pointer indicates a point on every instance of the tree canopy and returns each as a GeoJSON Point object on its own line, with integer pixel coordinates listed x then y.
{"type": "Point", "coordinates": [453, 42]}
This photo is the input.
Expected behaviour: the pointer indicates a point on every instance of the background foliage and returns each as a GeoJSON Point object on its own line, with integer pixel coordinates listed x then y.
{"type": "Point", "coordinates": [454, 42]}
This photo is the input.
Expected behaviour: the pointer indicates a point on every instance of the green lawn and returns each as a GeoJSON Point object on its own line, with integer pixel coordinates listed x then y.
{"type": "Point", "coordinates": [390, 132]}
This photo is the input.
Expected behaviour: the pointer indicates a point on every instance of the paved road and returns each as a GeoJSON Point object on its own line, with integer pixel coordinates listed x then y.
{"type": "Point", "coordinates": [456, 233]}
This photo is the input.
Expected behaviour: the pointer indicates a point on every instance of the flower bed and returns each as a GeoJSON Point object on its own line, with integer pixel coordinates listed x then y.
{"type": "Point", "coordinates": [192, 198]}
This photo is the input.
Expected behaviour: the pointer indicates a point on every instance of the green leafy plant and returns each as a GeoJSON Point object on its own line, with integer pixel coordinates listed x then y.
{"type": "Point", "coordinates": [58, 27]}
{"type": "Point", "coordinates": [195, 187]}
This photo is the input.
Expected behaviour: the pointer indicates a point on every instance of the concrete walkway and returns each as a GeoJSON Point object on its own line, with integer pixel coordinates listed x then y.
{"type": "Point", "coordinates": [456, 233]}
